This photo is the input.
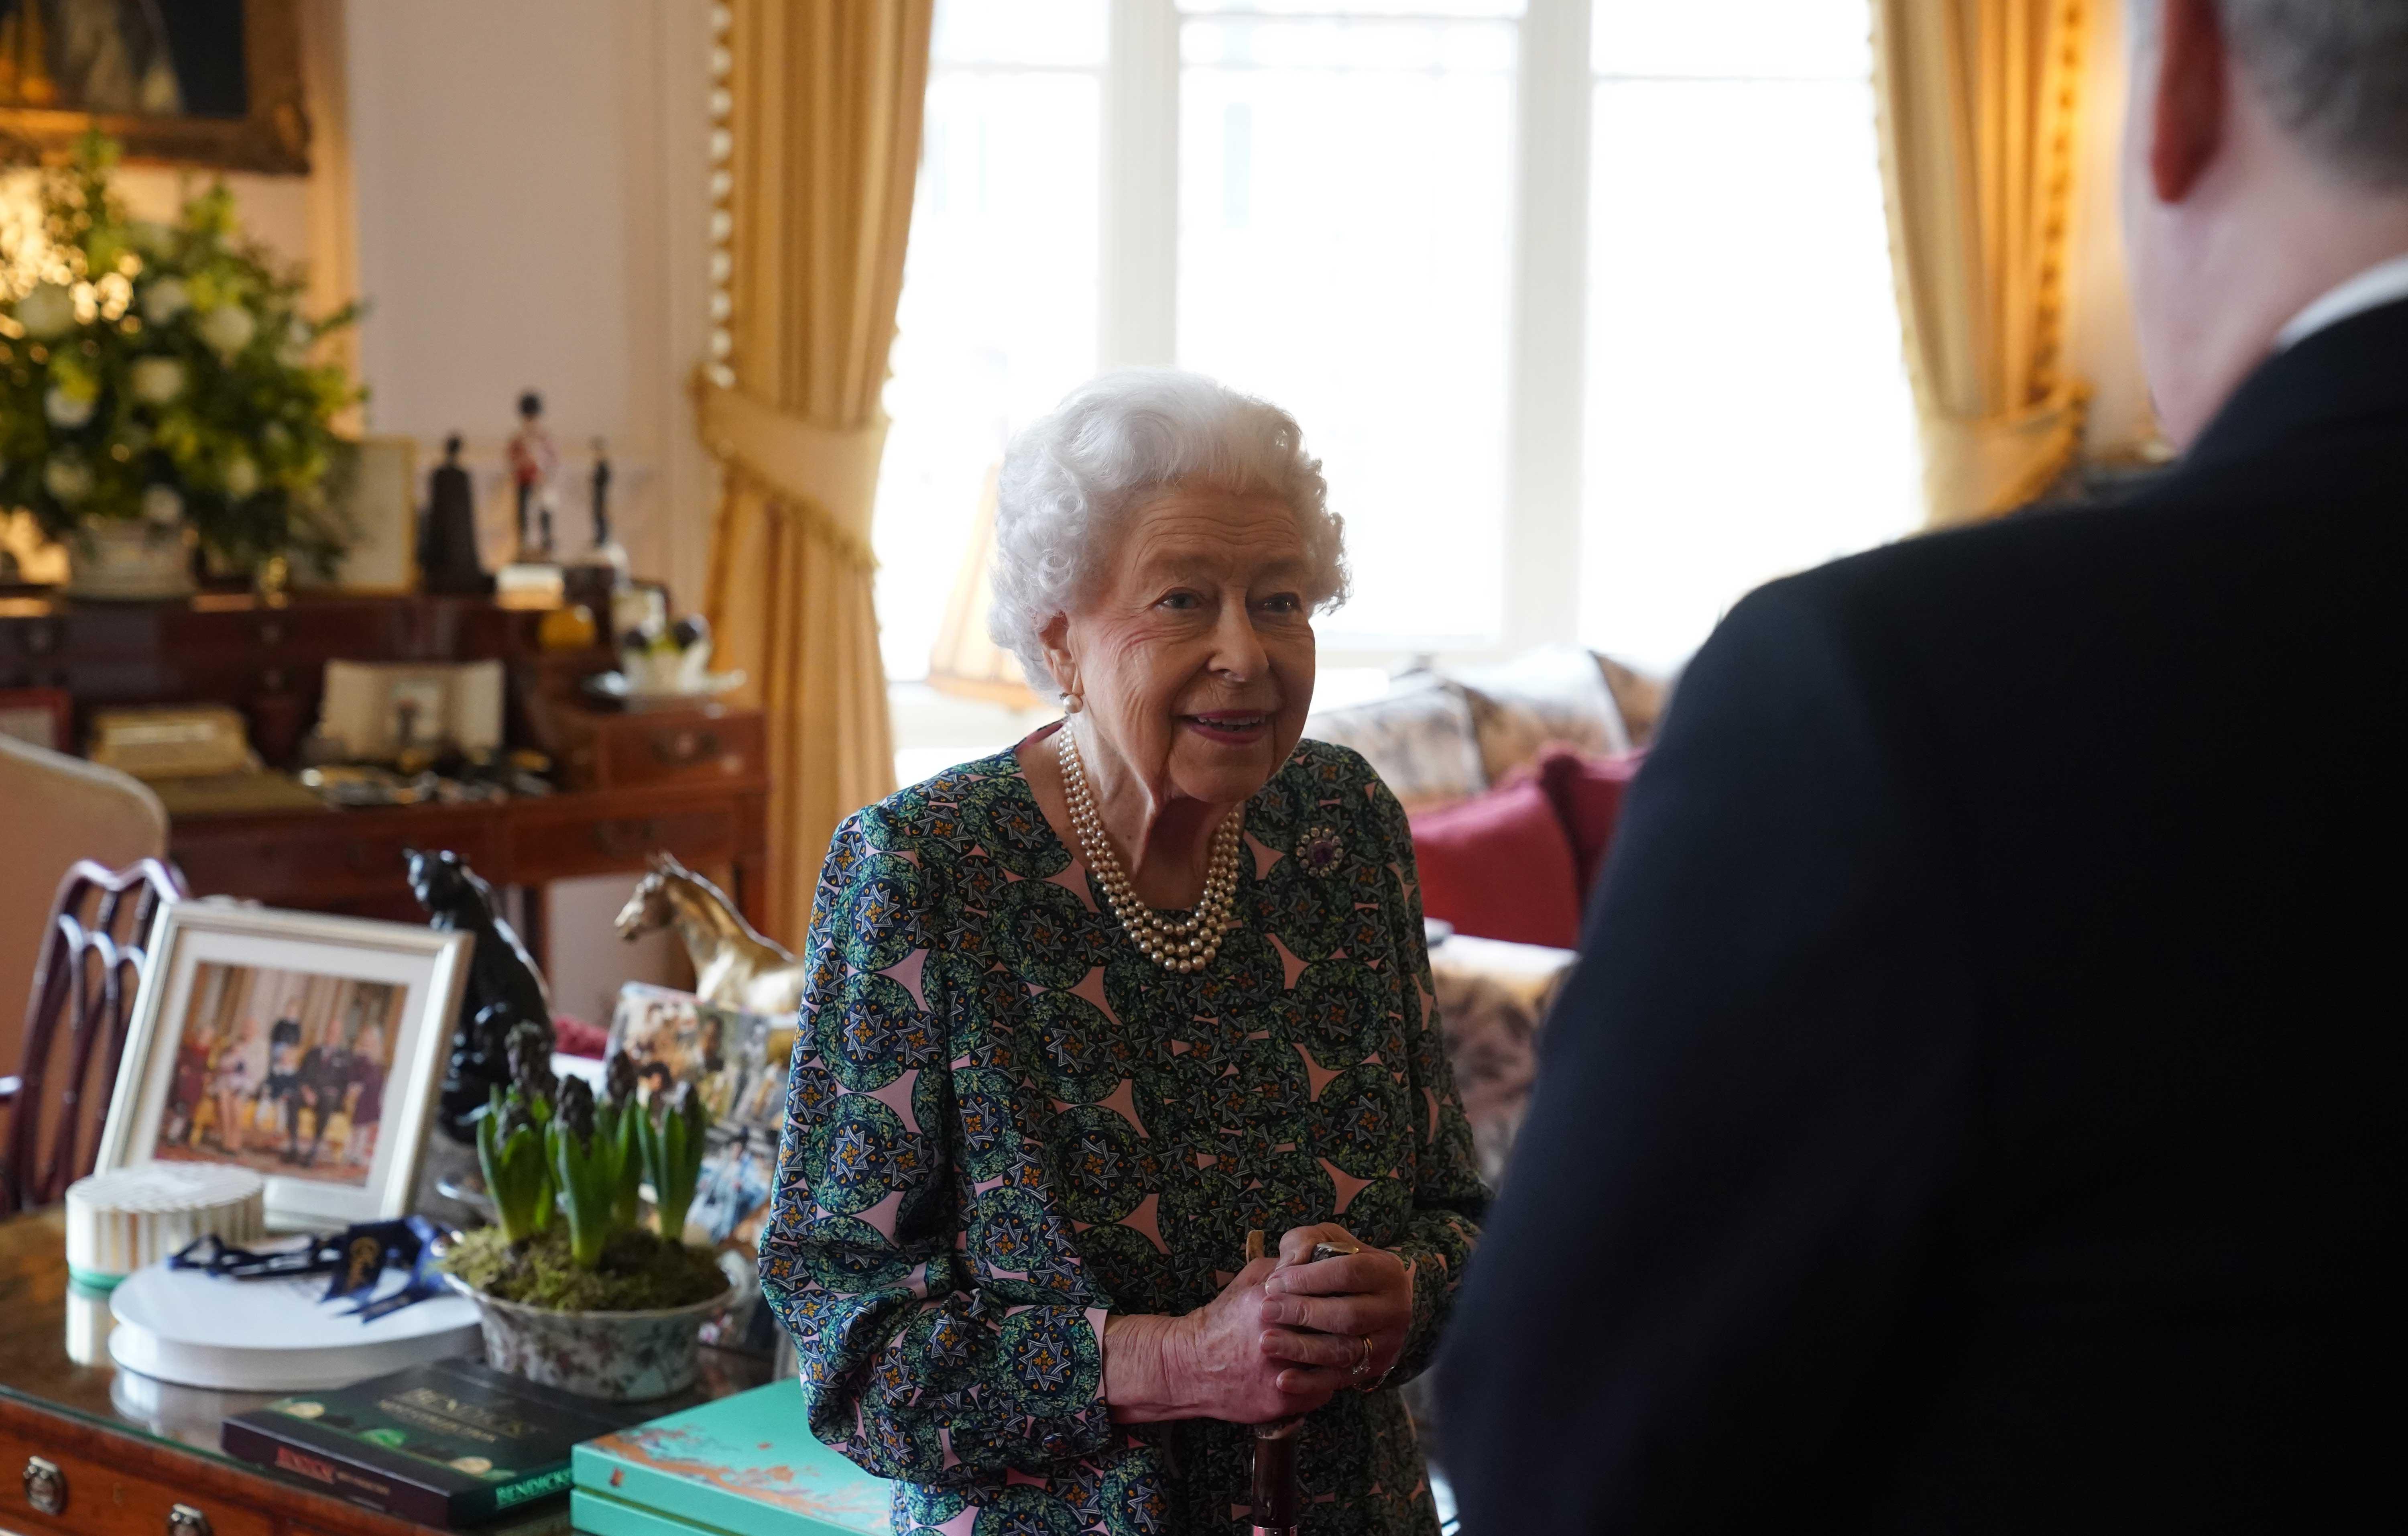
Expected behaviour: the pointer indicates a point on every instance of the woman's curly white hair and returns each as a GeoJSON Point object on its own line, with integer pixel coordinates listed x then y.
{"type": "Point", "coordinates": [1070, 479]}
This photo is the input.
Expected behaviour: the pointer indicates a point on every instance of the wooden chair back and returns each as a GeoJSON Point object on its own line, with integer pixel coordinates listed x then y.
{"type": "Point", "coordinates": [84, 987]}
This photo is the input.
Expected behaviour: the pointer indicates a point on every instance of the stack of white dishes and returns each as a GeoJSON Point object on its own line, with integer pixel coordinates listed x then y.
{"type": "Point", "coordinates": [188, 1327]}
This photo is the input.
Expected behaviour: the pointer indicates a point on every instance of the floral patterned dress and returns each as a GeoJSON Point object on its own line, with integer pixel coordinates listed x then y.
{"type": "Point", "coordinates": [1004, 1123]}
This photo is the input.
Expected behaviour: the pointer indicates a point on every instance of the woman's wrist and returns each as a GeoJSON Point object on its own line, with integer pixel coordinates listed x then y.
{"type": "Point", "coordinates": [1141, 1367]}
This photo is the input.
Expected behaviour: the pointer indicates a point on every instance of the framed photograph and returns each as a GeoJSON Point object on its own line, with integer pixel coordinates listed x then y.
{"type": "Point", "coordinates": [378, 709]}
{"type": "Point", "coordinates": [738, 1062]}
{"type": "Point", "coordinates": [212, 84]}
{"type": "Point", "coordinates": [305, 1047]}
{"type": "Point", "coordinates": [374, 494]}
{"type": "Point", "coordinates": [40, 717]}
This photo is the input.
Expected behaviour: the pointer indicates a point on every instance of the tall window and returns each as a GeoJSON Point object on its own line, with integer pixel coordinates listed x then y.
{"type": "Point", "coordinates": [1585, 304]}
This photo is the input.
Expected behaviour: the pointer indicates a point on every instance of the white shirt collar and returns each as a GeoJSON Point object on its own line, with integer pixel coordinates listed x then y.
{"type": "Point", "coordinates": [2376, 286]}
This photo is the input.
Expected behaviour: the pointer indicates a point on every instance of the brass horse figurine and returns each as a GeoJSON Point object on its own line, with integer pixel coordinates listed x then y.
{"type": "Point", "coordinates": [733, 965]}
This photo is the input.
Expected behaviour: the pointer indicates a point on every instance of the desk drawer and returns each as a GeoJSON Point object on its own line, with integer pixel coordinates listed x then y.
{"type": "Point", "coordinates": [687, 750]}
{"type": "Point", "coordinates": [316, 859]}
{"type": "Point", "coordinates": [567, 847]}
{"type": "Point", "coordinates": [91, 1499]}
{"type": "Point", "coordinates": [708, 746]}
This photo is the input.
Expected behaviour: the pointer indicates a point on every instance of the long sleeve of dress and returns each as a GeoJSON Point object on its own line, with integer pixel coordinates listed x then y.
{"type": "Point", "coordinates": [917, 1362]}
{"type": "Point", "coordinates": [1448, 1199]}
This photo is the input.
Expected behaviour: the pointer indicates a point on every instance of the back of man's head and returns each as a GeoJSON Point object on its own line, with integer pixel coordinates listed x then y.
{"type": "Point", "coordinates": [2265, 162]}
{"type": "Point", "coordinates": [2334, 73]}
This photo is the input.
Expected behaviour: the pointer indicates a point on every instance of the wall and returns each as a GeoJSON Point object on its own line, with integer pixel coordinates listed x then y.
{"type": "Point", "coordinates": [532, 203]}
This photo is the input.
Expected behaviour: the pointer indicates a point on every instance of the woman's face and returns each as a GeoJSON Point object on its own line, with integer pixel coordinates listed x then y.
{"type": "Point", "coordinates": [1193, 648]}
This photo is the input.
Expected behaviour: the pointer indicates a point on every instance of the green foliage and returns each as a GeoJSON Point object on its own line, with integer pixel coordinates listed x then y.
{"type": "Point", "coordinates": [672, 1140]}
{"type": "Point", "coordinates": [518, 1175]}
{"type": "Point", "coordinates": [164, 373]}
{"type": "Point", "coordinates": [588, 1159]}
{"type": "Point", "coordinates": [620, 1117]}
{"type": "Point", "coordinates": [637, 1271]}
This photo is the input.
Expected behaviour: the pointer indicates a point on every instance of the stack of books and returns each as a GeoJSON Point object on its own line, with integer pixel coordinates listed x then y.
{"type": "Point", "coordinates": [457, 1444]}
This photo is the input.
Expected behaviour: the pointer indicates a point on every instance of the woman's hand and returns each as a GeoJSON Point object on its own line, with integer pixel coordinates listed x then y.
{"type": "Point", "coordinates": [1325, 1309]}
{"type": "Point", "coordinates": [1226, 1360]}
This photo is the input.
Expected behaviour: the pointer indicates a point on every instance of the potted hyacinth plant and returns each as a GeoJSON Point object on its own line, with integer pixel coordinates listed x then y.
{"type": "Point", "coordinates": [157, 390]}
{"type": "Point", "coordinates": [574, 1290]}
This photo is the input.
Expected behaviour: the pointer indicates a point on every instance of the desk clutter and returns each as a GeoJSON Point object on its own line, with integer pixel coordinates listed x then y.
{"type": "Point", "coordinates": [255, 1245]}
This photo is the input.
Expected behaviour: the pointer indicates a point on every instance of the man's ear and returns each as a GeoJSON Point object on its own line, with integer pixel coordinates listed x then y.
{"type": "Point", "coordinates": [2186, 127]}
{"type": "Point", "coordinates": [1055, 638]}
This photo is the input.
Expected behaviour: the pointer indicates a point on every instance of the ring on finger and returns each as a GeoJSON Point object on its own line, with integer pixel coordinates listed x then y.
{"type": "Point", "coordinates": [1362, 1367]}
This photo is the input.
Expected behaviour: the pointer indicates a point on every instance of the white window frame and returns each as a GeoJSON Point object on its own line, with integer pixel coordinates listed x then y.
{"type": "Point", "coordinates": [1548, 339]}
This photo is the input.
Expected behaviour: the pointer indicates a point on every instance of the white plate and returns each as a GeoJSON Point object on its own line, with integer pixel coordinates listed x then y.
{"type": "Point", "coordinates": [615, 687]}
{"type": "Point", "coordinates": [187, 1327]}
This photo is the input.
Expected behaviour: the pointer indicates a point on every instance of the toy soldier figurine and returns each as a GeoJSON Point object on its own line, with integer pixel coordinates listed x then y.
{"type": "Point", "coordinates": [446, 541]}
{"type": "Point", "coordinates": [534, 465]}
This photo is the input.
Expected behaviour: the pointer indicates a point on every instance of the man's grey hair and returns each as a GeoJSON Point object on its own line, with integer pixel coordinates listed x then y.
{"type": "Point", "coordinates": [2335, 73]}
{"type": "Point", "coordinates": [1070, 480]}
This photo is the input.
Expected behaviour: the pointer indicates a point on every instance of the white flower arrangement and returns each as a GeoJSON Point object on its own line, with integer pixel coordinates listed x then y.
{"type": "Point", "coordinates": [161, 374]}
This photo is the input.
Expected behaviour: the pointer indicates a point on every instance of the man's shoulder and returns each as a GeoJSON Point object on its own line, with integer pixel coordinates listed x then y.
{"type": "Point", "coordinates": [2246, 547]}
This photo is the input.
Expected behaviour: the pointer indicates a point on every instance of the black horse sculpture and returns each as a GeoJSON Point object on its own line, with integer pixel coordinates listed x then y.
{"type": "Point", "coordinates": [505, 990]}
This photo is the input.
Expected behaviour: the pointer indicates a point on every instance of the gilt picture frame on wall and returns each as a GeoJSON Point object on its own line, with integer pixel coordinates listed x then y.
{"type": "Point", "coordinates": [215, 84]}
{"type": "Point", "coordinates": [305, 1047]}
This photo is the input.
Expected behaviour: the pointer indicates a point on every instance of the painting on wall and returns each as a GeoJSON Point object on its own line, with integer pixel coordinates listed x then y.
{"type": "Point", "coordinates": [211, 83]}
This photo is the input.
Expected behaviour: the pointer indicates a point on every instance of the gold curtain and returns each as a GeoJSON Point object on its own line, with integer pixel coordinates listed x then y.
{"type": "Point", "coordinates": [826, 97]}
{"type": "Point", "coordinates": [1979, 102]}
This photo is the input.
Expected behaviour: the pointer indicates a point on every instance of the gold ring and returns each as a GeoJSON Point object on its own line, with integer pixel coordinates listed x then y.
{"type": "Point", "coordinates": [1362, 1360]}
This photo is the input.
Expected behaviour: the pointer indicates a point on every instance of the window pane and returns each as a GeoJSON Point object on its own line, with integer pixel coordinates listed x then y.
{"type": "Point", "coordinates": [1747, 409]}
{"type": "Point", "coordinates": [997, 323]}
{"type": "Point", "coordinates": [1344, 250]}
{"type": "Point", "coordinates": [1786, 39]}
{"type": "Point", "coordinates": [1019, 32]}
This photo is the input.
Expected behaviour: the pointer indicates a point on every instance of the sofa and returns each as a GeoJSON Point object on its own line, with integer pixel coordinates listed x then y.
{"type": "Point", "coordinates": [1512, 775]}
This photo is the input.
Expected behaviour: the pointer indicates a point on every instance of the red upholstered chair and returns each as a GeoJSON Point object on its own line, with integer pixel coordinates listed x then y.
{"type": "Point", "coordinates": [82, 1004]}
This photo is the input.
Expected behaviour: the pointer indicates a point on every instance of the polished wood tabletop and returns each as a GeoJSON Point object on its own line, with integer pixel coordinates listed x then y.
{"type": "Point", "coordinates": [141, 1458]}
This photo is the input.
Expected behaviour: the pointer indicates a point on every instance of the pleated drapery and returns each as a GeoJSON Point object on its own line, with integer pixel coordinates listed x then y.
{"type": "Point", "coordinates": [1979, 104]}
{"type": "Point", "coordinates": [824, 119]}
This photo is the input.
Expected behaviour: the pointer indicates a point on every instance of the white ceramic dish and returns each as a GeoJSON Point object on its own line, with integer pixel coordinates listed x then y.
{"type": "Point", "coordinates": [186, 1326]}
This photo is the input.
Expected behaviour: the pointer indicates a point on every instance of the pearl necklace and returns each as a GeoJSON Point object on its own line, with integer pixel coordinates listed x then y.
{"type": "Point", "coordinates": [1184, 944]}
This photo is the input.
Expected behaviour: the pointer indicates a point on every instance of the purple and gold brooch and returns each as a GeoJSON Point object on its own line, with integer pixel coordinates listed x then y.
{"type": "Point", "coordinates": [1319, 851]}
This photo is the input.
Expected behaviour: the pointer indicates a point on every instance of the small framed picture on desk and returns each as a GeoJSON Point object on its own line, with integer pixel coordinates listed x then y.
{"type": "Point", "coordinates": [305, 1047]}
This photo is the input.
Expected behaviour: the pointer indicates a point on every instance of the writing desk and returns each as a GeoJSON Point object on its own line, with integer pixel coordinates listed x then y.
{"type": "Point", "coordinates": [689, 782]}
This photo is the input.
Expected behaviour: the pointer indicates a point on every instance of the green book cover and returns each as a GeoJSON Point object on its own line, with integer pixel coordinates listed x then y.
{"type": "Point", "coordinates": [746, 1465]}
{"type": "Point", "coordinates": [452, 1442]}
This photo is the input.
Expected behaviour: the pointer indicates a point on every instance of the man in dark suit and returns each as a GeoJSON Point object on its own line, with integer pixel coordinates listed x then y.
{"type": "Point", "coordinates": [1981, 1103]}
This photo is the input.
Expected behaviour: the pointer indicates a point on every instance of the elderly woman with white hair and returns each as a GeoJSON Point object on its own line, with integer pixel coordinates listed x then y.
{"type": "Point", "coordinates": [1082, 1015]}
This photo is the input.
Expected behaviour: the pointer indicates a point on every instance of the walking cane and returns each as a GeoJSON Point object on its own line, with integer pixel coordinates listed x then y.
{"type": "Point", "coordinates": [1276, 1495]}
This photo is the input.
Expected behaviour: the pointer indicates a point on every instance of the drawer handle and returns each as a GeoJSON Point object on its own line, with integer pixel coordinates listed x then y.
{"type": "Point", "coordinates": [682, 746]}
{"type": "Point", "coordinates": [46, 1486]}
{"type": "Point", "coordinates": [184, 1520]}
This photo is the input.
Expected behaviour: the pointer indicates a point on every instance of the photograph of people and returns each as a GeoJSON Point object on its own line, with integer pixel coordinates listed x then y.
{"type": "Point", "coordinates": [281, 1071]}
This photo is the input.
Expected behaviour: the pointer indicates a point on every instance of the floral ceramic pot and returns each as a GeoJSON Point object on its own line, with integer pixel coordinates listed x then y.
{"type": "Point", "coordinates": [619, 1357]}
{"type": "Point", "coordinates": [128, 560]}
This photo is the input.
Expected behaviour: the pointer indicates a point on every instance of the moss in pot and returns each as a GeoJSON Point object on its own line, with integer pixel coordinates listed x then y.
{"type": "Point", "coordinates": [573, 1291]}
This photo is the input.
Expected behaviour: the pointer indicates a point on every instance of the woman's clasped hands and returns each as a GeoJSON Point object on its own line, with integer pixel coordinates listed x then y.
{"type": "Point", "coordinates": [1283, 1337]}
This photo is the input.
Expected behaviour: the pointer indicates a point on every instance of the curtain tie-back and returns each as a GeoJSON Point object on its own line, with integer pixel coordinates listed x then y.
{"type": "Point", "coordinates": [831, 471]}
{"type": "Point", "coordinates": [1977, 467]}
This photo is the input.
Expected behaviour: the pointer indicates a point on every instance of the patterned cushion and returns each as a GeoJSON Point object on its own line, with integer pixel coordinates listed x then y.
{"type": "Point", "coordinates": [1558, 692]}
{"type": "Point", "coordinates": [1420, 739]}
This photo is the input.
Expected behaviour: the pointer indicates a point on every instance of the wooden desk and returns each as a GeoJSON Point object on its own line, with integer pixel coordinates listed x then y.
{"type": "Point", "coordinates": [691, 782]}
{"type": "Point", "coordinates": [350, 861]}
{"type": "Point", "coordinates": [132, 1450]}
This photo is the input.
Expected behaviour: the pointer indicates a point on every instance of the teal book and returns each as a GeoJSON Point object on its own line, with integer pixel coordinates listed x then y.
{"type": "Point", "coordinates": [745, 1465]}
